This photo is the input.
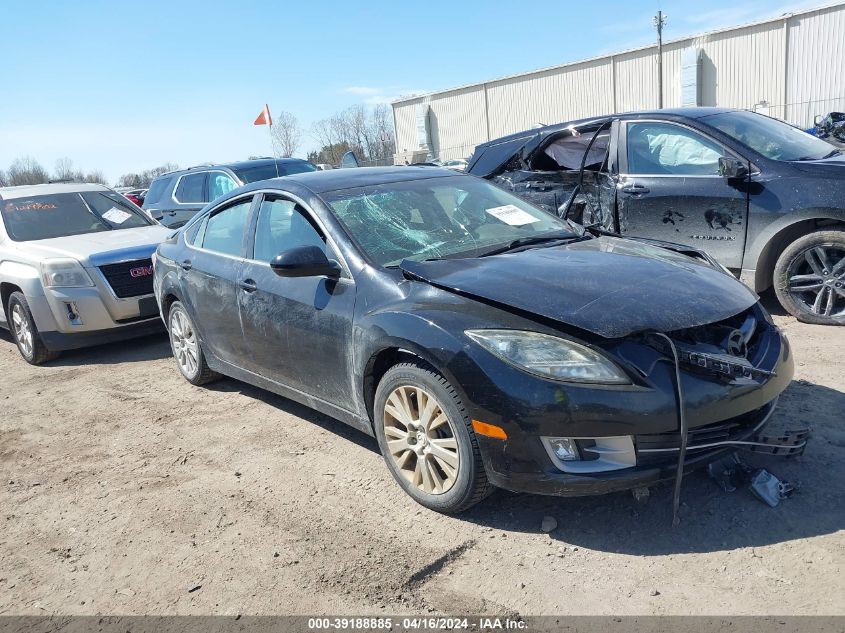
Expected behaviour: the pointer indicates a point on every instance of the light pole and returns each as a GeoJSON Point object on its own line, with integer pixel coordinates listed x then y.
{"type": "Point", "coordinates": [659, 22]}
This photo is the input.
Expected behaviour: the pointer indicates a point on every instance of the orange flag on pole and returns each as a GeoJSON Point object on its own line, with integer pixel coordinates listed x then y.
{"type": "Point", "coordinates": [264, 118]}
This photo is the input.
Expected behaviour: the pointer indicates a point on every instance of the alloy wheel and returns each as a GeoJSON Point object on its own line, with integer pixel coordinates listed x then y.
{"type": "Point", "coordinates": [23, 330]}
{"type": "Point", "coordinates": [817, 280]}
{"type": "Point", "coordinates": [184, 341]}
{"type": "Point", "coordinates": [421, 440]}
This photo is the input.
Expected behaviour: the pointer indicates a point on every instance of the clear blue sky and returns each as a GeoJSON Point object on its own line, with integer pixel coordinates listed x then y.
{"type": "Point", "coordinates": [123, 86]}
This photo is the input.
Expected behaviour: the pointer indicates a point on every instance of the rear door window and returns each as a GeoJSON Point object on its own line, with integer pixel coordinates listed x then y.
{"type": "Point", "coordinates": [224, 231]}
{"type": "Point", "coordinates": [191, 189]}
{"type": "Point", "coordinates": [157, 189]}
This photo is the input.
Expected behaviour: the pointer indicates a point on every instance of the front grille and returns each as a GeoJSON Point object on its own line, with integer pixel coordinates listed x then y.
{"type": "Point", "coordinates": [726, 430]}
{"type": "Point", "coordinates": [130, 279]}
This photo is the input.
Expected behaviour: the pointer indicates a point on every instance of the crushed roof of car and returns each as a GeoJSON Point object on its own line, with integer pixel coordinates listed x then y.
{"type": "Point", "coordinates": [26, 191]}
{"type": "Point", "coordinates": [690, 113]}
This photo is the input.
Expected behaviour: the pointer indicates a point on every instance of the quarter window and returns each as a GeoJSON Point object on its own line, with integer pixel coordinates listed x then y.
{"type": "Point", "coordinates": [663, 148]}
{"type": "Point", "coordinates": [190, 189]}
{"type": "Point", "coordinates": [219, 184]}
{"type": "Point", "coordinates": [282, 225]}
{"type": "Point", "coordinates": [224, 231]}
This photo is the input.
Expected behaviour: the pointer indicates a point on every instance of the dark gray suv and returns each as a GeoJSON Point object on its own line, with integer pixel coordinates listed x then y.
{"type": "Point", "coordinates": [176, 196]}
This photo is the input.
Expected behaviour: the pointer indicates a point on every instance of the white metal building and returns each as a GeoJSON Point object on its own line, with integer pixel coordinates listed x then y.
{"type": "Point", "coordinates": [791, 67]}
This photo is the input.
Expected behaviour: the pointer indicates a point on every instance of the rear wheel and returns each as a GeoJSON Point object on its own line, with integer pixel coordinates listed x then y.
{"type": "Point", "coordinates": [25, 332]}
{"type": "Point", "coordinates": [426, 439]}
{"type": "Point", "coordinates": [809, 278]}
{"type": "Point", "coordinates": [186, 347]}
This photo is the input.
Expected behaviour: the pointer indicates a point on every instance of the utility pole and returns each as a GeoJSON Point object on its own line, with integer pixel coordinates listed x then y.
{"type": "Point", "coordinates": [660, 22]}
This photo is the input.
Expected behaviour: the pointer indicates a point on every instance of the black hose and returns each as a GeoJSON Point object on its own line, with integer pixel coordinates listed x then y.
{"type": "Point", "coordinates": [682, 424]}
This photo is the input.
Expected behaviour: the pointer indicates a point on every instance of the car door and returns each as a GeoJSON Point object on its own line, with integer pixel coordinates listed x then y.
{"type": "Point", "coordinates": [670, 189]}
{"type": "Point", "coordinates": [210, 276]}
{"type": "Point", "coordinates": [298, 329]}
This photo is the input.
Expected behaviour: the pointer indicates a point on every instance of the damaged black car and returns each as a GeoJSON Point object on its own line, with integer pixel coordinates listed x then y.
{"type": "Point", "coordinates": [764, 198]}
{"type": "Point", "coordinates": [484, 342]}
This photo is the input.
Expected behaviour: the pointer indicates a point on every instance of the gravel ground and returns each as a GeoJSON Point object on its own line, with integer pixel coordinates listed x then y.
{"type": "Point", "coordinates": [125, 490]}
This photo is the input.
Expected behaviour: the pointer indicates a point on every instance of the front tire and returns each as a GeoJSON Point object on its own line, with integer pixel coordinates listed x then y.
{"type": "Point", "coordinates": [427, 440]}
{"type": "Point", "coordinates": [25, 332]}
{"type": "Point", "coordinates": [186, 346]}
{"type": "Point", "coordinates": [809, 278]}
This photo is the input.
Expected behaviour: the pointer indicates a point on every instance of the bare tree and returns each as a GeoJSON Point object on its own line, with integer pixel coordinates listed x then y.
{"type": "Point", "coordinates": [143, 179]}
{"type": "Point", "coordinates": [287, 134]}
{"type": "Point", "coordinates": [27, 171]}
{"type": "Point", "coordinates": [366, 131]}
{"type": "Point", "coordinates": [95, 176]}
{"type": "Point", "coordinates": [64, 169]}
{"type": "Point", "coordinates": [4, 182]}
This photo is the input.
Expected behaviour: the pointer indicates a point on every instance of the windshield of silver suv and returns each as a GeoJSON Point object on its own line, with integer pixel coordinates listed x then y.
{"type": "Point", "coordinates": [265, 172]}
{"type": "Point", "coordinates": [62, 214]}
{"type": "Point", "coordinates": [772, 138]}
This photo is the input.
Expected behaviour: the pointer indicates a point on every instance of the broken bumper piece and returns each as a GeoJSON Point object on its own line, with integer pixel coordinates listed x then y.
{"type": "Point", "coordinates": [644, 460]}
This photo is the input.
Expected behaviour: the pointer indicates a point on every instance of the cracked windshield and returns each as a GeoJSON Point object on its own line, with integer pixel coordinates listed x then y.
{"type": "Point", "coordinates": [437, 218]}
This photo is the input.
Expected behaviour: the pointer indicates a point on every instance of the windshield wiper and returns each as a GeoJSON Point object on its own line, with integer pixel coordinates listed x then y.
{"type": "Point", "coordinates": [835, 152]}
{"type": "Point", "coordinates": [534, 240]}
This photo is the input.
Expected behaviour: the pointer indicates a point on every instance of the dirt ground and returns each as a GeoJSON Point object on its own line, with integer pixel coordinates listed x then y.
{"type": "Point", "coordinates": [125, 490]}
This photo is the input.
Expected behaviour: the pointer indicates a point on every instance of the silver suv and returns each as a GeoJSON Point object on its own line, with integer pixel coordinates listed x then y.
{"type": "Point", "coordinates": [75, 268]}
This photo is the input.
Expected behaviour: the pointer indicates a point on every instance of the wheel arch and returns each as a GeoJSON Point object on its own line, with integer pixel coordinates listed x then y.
{"type": "Point", "coordinates": [6, 290]}
{"type": "Point", "coordinates": [390, 351]}
{"type": "Point", "coordinates": [776, 237]}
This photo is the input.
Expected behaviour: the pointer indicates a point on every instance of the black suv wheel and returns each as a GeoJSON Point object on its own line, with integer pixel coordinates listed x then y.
{"type": "Point", "coordinates": [809, 278]}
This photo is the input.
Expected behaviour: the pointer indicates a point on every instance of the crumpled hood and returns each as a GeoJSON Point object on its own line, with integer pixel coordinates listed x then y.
{"type": "Point", "coordinates": [608, 286]}
{"type": "Point", "coordinates": [91, 248]}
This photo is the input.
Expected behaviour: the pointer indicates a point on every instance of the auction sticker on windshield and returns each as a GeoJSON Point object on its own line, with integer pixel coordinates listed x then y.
{"type": "Point", "coordinates": [513, 215]}
{"type": "Point", "coordinates": [116, 215]}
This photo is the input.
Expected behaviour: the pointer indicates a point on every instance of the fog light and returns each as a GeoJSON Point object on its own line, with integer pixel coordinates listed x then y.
{"type": "Point", "coordinates": [564, 448]}
{"type": "Point", "coordinates": [72, 313]}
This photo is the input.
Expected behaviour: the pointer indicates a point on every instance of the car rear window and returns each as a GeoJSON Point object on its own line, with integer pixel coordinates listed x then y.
{"type": "Point", "coordinates": [157, 189]}
{"type": "Point", "coordinates": [267, 171]}
{"type": "Point", "coordinates": [63, 214]}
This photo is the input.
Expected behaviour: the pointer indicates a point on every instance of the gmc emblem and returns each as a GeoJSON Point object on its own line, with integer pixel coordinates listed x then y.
{"type": "Point", "coordinates": [141, 271]}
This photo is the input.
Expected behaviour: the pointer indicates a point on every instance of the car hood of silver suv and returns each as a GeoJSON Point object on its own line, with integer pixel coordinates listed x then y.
{"type": "Point", "coordinates": [92, 249]}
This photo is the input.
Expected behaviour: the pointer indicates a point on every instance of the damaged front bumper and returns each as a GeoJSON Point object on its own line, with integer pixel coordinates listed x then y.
{"type": "Point", "coordinates": [618, 438]}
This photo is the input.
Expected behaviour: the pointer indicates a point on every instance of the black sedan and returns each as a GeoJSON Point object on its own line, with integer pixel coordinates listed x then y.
{"type": "Point", "coordinates": [483, 341]}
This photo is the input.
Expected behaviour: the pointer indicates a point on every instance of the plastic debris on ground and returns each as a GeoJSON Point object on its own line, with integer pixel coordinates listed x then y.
{"type": "Point", "coordinates": [730, 473]}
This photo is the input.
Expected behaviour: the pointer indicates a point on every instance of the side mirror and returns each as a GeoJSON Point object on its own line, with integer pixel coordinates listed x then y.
{"type": "Point", "coordinates": [731, 168]}
{"type": "Point", "coordinates": [304, 261]}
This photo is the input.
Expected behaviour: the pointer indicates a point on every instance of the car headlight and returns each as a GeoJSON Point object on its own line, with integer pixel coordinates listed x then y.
{"type": "Point", "coordinates": [550, 356]}
{"type": "Point", "coordinates": [64, 273]}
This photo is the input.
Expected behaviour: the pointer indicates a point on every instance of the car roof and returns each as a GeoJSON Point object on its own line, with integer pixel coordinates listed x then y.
{"type": "Point", "coordinates": [238, 164]}
{"type": "Point", "coordinates": [689, 113]}
{"type": "Point", "coordinates": [335, 179]}
{"type": "Point", "coordinates": [27, 191]}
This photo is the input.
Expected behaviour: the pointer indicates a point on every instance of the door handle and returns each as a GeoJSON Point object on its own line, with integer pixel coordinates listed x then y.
{"type": "Point", "coordinates": [185, 264]}
{"type": "Point", "coordinates": [248, 285]}
{"type": "Point", "coordinates": [635, 190]}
